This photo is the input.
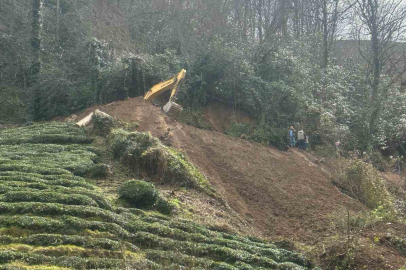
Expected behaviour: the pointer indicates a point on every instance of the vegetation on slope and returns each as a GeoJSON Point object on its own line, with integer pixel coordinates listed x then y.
{"type": "Point", "coordinates": [141, 151]}
{"type": "Point", "coordinates": [52, 218]}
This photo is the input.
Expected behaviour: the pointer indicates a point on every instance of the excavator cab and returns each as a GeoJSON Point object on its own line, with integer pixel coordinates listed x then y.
{"type": "Point", "coordinates": [171, 108]}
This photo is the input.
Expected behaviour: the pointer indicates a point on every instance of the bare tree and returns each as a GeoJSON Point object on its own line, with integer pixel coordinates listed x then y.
{"type": "Point", "coordinates": [384, 22]}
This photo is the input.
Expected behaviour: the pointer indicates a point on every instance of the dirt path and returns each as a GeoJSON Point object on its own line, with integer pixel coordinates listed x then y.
{"type": "Point", "coordinates": [280, 193]}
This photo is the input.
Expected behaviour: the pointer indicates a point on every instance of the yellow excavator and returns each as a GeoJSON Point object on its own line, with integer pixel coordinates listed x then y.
{"type": "Point", "coordinates": [171, 107]}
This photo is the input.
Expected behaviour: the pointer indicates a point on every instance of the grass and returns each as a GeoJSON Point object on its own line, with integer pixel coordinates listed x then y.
{"type": "Point", "coordinates": [53, 218]}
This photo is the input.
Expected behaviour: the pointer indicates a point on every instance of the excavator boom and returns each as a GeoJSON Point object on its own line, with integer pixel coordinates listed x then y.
{"type": "Point", "coordinates": [173, 83]}
{"type": "Point", "coordinates": [159, 88]}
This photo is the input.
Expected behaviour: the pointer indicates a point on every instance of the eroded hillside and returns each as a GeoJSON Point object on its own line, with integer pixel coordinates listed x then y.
{"type": "Point", "coordinates": [273, 194]}
{"type": "Point", "coordinates": [280, 193]}
{"type": "Point", "coordinates": [53, 217]}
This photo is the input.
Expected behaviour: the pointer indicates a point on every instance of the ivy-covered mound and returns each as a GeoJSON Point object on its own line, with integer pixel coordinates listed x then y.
{"type": "Point", "coordinates": [52, 218]}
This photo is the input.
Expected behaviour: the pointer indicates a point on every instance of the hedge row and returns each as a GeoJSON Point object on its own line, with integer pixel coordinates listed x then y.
{"type": "Point", "coordinates": [64, 261]}
{"type": "Point", "coordinates": [56, 133]}
{"type": "Point", "coordinates": [144, 239]}
{"type": "Point", "coordinates": [48, 197]}
{"type": "Point", "coordinates": [121, 225]}
{"type": "Point", "coordinates": [76, 240]}
{"type": "Point", "coordinates": [55, 209]}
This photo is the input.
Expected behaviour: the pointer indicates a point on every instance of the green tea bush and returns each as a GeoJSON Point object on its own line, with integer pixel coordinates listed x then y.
{"type": "Point", "coordinates": [164, 206]}
{"type": "Point", "coordinates": [49, 197]}
{"type": "Point", "coordinates": [28, 180]}
{"type": "Point", "coordinates": [98, 171]}
{"type": "Point", "coordinates": [167, 257]}
{"type": "Point", "coordinates": [53, 209]}
{"type": "Point", "coordinates": [139, 193]}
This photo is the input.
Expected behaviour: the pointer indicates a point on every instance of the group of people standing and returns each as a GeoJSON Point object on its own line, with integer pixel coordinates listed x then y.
{"type": "Point", "coordinates": [302, 139]}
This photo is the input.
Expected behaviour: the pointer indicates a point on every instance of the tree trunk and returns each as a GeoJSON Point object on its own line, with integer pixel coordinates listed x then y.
{"type": "Point", "coordinates": [36, 66]}
{"type": "Point", "coordinates": [36, 40]}
{"type": "Point", "coordinates": [283, 11]}
{"type": "Point", "coordinates": [260, 12]}
{"type": "Point", "coordinates": [377, 69]}
{"type": "Point", "coordinates": [180, 26]}
{"type": "Point", "coordinates": [325, 35]}
{"type": "Point", "coordinates": [57, 17]}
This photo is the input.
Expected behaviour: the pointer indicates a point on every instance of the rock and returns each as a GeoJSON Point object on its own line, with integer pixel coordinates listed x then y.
{"type": "Point", "coordinates": [99, 122]}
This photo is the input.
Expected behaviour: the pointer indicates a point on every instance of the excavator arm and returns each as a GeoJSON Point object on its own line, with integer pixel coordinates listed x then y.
{"type": "Point", "coordinates": [174, 83]}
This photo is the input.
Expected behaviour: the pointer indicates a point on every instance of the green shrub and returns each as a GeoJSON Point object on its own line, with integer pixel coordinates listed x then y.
{"type": "Point", "coordinates": [99, 170]}
{"type": "Point", "coordinates": [377, 160]}
{"type": "Point", "coordinates": [194, 117]}
{"type": "Point", "coordinates": [139, 193]}
{"type": "Point", "coordinates": [270, 136]}
{"type": "Point", "coordinates": [164, 206]}
{"type": "Point", "coordinates": [261, 133]}
{"type": "Point", "coordinates": [237, 129]}
{"type": "Point", "coordinates": [361, 181]}
{"type": "Point", "coordinates": [12, 109]}
{"type": "Point", "coordinates": [124, 144]}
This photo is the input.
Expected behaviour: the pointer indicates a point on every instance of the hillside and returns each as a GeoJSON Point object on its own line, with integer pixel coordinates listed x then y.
{"type": "Point", "coordinates": [279, 193]}
{"type": "Point", "coordinates": [60, 209]}
{"type": "Point", "coordinates": [283, 196]}
{"type": "Point", "coordinates": [53, 217]}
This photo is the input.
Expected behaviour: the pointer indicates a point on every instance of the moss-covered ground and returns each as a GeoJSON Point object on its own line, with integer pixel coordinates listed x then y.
{"type": "Point", "coordinates": [52, 217]}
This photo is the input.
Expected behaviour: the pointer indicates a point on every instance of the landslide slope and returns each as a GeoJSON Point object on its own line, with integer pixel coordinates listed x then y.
{"type": "Point", "coordinates": [52, 217]}
{"type": "Point", "coordinates": [280, 193]}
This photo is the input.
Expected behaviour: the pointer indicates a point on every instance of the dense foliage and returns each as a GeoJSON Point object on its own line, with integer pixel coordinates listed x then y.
{"type": "Point", "coordinates": [139, 193]}
{"type": "Point", "coordinates": [277, 60]}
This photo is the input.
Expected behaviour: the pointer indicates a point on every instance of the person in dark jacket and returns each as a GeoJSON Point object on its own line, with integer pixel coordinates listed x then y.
{"type": "Point", "coordinates": [292, 138]}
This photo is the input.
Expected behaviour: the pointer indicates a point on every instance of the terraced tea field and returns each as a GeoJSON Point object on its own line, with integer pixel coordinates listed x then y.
{"type": "Point", "coordinates": [51, 217]}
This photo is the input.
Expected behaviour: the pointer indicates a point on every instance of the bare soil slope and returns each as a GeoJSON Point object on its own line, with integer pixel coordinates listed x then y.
{"type": "Point", "coordinates": [280, 193]}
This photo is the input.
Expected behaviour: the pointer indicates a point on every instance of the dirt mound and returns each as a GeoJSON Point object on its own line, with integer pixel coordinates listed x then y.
{"type": "Point", "coordinates": [280, 193]}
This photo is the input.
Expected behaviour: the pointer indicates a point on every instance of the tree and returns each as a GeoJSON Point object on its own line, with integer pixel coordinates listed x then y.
{"type": "Point", "coordinates": [384, 22]}
{"type": "Point", "coordinates": [36, 44]}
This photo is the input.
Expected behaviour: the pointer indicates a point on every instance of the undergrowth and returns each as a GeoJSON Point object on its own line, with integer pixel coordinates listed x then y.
{"type": "Point", "coordinates": [260, 133]}
{"type": "Point", "coordinates": [52, 218]}
{"type": "Point", "coordinates": [363, 182]}
{"type": "Point", "coordinates": [194, 117]}
{"type": "Point", "coordinates": [142, 152]}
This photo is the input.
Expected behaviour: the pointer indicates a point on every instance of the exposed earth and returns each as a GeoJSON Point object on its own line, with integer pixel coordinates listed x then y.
{"type": "Point", "coordinates": [283, 195]}
{"type": "Point", "coordinates": [280, 193]}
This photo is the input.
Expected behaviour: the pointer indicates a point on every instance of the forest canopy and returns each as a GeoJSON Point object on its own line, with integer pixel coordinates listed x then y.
{"type": "Point", "coordinates": [335, 68]}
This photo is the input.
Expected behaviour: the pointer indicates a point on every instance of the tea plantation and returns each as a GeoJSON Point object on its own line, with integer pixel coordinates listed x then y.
{"type": "Point", "coordinates": [51, 217]}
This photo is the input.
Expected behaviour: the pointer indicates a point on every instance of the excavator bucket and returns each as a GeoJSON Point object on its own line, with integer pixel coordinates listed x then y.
{"type": "Point", "coordinates": [172, 109]}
